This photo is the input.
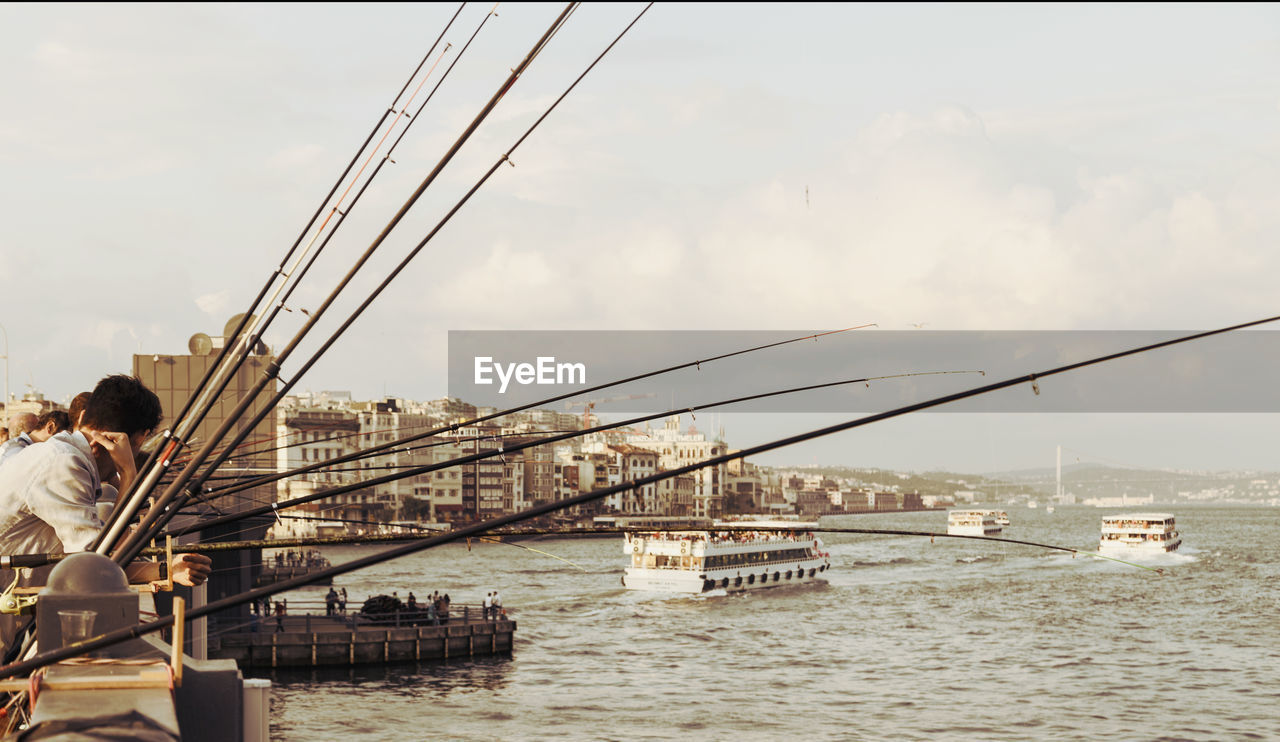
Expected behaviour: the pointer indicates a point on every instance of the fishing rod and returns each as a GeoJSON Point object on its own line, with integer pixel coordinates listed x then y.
{"type": "Point", "coordinates": [32, 560]}
{"type": "Point", "coordinates": [495, 536]}
{"type": "Point", "coordinates": [356, 540]}
{"type": "Point", "coordinates": [315, 254]}
{"type": "Point", "coordinates": [306, 367]}
{"type": "Point", "coordinates": [159, 515]}
{"type": "Point", "coordinates": [696, 364]}
{"type": "Point", "coordinates": [162, 511]}
{"type": "Point", "coordinates": [225, 363]}
{"type": "Point", "coordinates": [215, 492]}
{"type": "Point", "coordinates": [280, 305]}
{"type": "Point", "coordinates": [343, 214]}
{"type": "Point", "coordinates": [120, 635]}
{"type": "Point", "coordinates": [503, 450]}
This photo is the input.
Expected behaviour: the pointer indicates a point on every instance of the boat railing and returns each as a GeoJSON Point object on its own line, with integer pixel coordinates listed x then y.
{"type": "Point", "coordinates": [725, 537]}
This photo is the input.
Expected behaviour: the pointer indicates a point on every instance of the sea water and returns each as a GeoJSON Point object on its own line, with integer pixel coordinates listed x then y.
{"type": "Point", "coordinates": [907, 639]}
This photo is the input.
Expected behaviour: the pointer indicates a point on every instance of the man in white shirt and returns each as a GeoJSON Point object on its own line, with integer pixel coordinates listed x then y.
{"type": "Point", "coordinates": [48, 494]}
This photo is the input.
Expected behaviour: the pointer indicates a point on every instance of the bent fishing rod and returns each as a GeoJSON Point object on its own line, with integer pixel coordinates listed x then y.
{"type": "Point", "coordinates": [226, 362]}
{"type": "Point", "coordinates": [503, 450]}
{"type": "Point", "coordinates": [127, 546]}
{"type": "Point", "coordinates": [121, 635]}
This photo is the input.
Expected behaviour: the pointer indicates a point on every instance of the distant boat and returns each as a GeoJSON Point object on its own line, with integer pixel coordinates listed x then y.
{"type": "Point", "coordinates": [1032, 504]}
{"type": "Point", "coordinates": [1139, 533]}
{"type": "Point", "coordinates": [1048, 508]}
{"type": "Point", "coordinates": [972, 523]}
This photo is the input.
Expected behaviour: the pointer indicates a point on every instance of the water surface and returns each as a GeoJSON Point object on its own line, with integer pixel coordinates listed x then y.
{"type": "Point", "coordinates": [952, 640]}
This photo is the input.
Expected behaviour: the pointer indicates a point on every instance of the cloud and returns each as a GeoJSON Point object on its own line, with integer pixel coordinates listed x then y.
{"type": "Point", "coordinates": [215, 304]}
{"type": "Point", "coordinates": [925, 217]}
{"type": "Point", "coordinates": [102, 334]}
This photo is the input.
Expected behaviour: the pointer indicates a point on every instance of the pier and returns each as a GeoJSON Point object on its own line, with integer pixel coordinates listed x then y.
{"type": "Point", "coordinates": [318, 640]}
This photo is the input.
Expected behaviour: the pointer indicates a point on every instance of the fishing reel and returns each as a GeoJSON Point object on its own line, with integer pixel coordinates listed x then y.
{"type": "Point", "coordinates": [13, 604]}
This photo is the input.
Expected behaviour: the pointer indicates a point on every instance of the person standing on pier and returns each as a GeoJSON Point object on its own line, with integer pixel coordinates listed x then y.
{"type": "Point", "coordinates": [497, 605]}
{"type": "Point", "coordinates": [331, 602]}
{"type": "Point", "coordinates": [280, 609]}
{"type": "Point", "coordinates": [488, 605]}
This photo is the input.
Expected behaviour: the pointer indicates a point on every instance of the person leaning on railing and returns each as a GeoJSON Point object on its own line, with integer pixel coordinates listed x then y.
{"type": "Point", "coordinates": [49, 492]}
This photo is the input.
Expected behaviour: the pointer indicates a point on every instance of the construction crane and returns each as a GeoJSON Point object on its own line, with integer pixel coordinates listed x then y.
{"type": "Point", "coordinates": [589, 404]}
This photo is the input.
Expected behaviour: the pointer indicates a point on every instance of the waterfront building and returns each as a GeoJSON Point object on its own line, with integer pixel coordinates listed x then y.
{"type": "Point", "coordinates": [482, 491]}
{"type": "Point", "coordinates": [174, 378]}
{"type": "Point", "coordinates": [444, 490]}
{"type": "Point", "coordinates": [676, 448]}
{"type": "Point", "coordinates": [313, 429]}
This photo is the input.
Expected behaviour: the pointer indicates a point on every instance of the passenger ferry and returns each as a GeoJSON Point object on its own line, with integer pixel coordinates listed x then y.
{"type": "Point", "coordinates": [972, 523]}
{"type": "Point", "coordinates": [732, 560]}
{"type": "Point", "coordinates": [1001, 516]}
{"type": "Point", "coordinates": [1139, 532]}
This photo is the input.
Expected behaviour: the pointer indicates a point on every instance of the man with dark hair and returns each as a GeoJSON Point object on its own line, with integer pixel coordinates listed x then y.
{"type": "Point", "coordinates": [48, 494]}
{"type": "Point", "coordinates": [50, 424]}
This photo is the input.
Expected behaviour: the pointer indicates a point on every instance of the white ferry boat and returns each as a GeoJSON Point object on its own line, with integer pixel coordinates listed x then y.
{"type": "Point", "coordinates": [1140, 533]}
{"type": "Point", "coordinates": [972, 523]}
{"type": "Point", "coordinates": [732, 560]}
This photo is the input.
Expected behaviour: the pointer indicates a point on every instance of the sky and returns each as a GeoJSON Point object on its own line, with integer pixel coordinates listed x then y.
{"type": "Point", "coordinates": [755, 167]}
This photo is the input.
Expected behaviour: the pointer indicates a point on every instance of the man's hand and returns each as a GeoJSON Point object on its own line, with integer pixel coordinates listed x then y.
{"type": "Point", "coordinates": [120, 449]}
{"type": "Point", "coordinates": [190, 569]}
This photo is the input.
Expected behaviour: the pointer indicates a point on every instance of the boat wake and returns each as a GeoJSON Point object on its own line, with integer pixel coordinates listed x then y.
{"type": "Point", "coordinates": [896, 562]}
{"type": "Point", "coordinates": [982, 559]}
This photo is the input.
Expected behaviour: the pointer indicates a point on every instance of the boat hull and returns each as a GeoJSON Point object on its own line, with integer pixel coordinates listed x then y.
{"type": "Point", "coordinates": [759, 578]}
{"type": "Point", "coordinates": [1138, 547]}
{"type": "Point", "coordinates": [973, 531]}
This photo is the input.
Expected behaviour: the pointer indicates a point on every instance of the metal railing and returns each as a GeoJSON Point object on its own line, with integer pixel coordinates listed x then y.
{"type": "Point", "coordinates": [309, 622]}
